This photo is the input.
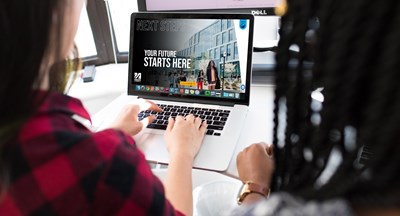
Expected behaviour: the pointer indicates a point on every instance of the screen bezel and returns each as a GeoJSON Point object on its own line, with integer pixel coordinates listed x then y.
{"type": "Point", "coordinates": [188, 98]}
{"type": "Point", "coordinates": [259, 11]}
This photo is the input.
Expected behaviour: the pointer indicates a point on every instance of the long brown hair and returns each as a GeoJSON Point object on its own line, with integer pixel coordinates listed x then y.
{"type": "Point", "coordinates": [31, 33]}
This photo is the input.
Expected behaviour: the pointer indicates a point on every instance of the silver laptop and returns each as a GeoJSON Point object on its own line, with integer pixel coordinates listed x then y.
{"type": "Point", "coordinates": [196, 64]}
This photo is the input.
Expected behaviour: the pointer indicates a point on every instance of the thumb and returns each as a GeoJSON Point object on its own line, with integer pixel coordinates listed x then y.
{"type": "Point", "coordinates": [151, 118]}
{"type": "Point", "coordinates": [146, 121]}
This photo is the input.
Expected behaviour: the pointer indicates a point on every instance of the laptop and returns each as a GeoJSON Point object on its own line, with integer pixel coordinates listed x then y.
{"type": "Point", "coordinates": [196, 64]}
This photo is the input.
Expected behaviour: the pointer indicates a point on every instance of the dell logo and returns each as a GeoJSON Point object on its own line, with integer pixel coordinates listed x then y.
{"type": "Point", "coordinates": [259, 12]}
{"type": "Point", "coordinates": [138, 77]}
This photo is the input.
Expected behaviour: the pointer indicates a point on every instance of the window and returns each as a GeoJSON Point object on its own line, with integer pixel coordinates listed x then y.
{"type": "Point", "coordinates": [231, 37]}
{"type": "Point", "coordinates": [228, 51]}
{"type": "Point", "coordinates": [84, 37]}
{"type": "Point", "coordinates": [224, 24]}
{"type": "Point", "coordinates": [229, 23]}
{"type": "Point", "coordinates": [218, 41]}
{"type": "Point", "coordinates": [224, 37]}
{"type": "Point", "coordinates": [222, 50]}
{"type": "Point", "coordinates": [216, 53]}
{"type": "Point", "coordinates": [121, 11]}
{"type": "Point", "coordinates": [236, 56]}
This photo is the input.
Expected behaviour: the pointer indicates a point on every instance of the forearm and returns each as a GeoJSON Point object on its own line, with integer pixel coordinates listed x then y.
{"type": "Point", "coordinates": [178, 185]}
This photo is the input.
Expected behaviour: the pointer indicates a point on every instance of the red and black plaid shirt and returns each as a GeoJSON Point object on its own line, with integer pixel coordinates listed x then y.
{"type": "Point", "coordinates": [58, 167]}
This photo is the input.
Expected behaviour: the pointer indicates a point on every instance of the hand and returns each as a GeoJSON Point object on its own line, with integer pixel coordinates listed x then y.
{"type": "Point", "coordinates": [255, 163]}
{"type": "Point", "coordinates": [128, 121]}
{"type": "Point", "coordinates": [184, 136]}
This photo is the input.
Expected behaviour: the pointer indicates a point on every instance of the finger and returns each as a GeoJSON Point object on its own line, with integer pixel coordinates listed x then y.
{"type": "Point", "coordinates": [266, 147]}
{"type": "Point", "coordinates": [131, 109]}
{"type": "Point", "coordinates": [148, 120]}
{"type": "Point", "coordinates": [270, 150]}
{"type": "Point", "coordinates": [197, 122]}
{"type": "Point", "coordinates": [171, 123]}
{"type": "Point", "coordinates": [151, 118]}
{"type": "Point", "coordinates": [190, 118]}
{"type": "Point", "coordinates": [203, 127]}
{"type": "Point", "coordinates": [148, 105]}
{"type": "Point", "coordinates": [179, 118]}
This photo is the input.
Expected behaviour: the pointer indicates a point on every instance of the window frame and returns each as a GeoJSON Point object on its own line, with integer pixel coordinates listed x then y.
{"type": "Point", "coordinates": [99, 23]}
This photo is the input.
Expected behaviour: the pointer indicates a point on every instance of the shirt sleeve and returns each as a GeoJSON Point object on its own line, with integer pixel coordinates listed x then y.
{"type": "Point", "coordinates": [126, 184]}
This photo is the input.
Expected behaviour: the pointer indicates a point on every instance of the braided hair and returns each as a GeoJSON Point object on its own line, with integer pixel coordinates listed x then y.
{"type": "Point", "coordinates": [339, 96]}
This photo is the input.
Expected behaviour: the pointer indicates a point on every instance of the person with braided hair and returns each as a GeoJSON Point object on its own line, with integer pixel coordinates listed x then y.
{"type": "Point", "coordinates": [336, 141]}
{"type": "Point", "coordinates": [51, 163]}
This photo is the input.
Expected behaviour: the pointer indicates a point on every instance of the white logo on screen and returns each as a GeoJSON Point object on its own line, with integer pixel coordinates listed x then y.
{"type": "Point", "coordinates": [138, 77]}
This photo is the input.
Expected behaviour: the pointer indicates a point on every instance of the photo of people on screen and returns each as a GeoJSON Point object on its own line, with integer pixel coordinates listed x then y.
{"type": "Point", "coordinates": [200, 80]}
{"type": "Point", "coordinates": [212, 76]}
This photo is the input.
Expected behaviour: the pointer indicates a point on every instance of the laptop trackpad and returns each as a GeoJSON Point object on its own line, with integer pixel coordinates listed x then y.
{"type": "Point", "coordinates": [153, 146]}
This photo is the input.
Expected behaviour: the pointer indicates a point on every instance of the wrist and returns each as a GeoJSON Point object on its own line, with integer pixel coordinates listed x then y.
{"type": "Point", "coordinates": [252, 198]}
{"type": "Point", "coordinates": [181, 157]}
{"type": "Point", "coordinates": [252, 192]}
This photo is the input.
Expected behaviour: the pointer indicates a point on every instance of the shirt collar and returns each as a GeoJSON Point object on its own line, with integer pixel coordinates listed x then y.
{"type": "Point", "coordinates": [57, 102]}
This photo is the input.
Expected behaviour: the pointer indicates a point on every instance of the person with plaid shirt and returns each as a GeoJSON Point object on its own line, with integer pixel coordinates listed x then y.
{"type": "Point", "coordinates": [51, 164]}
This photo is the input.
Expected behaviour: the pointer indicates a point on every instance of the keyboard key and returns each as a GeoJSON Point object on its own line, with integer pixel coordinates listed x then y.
{"type": "Point", "coordinates": [156, 126]}
{"type": "Point", "coordinates": [216, 118]}
{"type": "Point", "coordinates": [218, 123]}
{"type": "Point", "coordinates": [217, 134]}
{"type": "Point", "coordinates": [224, 119]}
{"type": "Point", "coordinates": [227, 111]}
{"type": "Point", "coordinates": [213, 127]}
{"type": "Point", "coordinates": [209, 132]}
{"type": "Point", "coordinates": [225, 115]}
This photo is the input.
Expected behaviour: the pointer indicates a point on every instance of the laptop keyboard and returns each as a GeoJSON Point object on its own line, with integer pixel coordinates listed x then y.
{"type": "Point", "coordinates": [216, 118]}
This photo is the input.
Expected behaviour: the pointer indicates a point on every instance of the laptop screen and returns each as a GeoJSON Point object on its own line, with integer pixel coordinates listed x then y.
{"type": "Point", "coordinates": [191, 56]}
